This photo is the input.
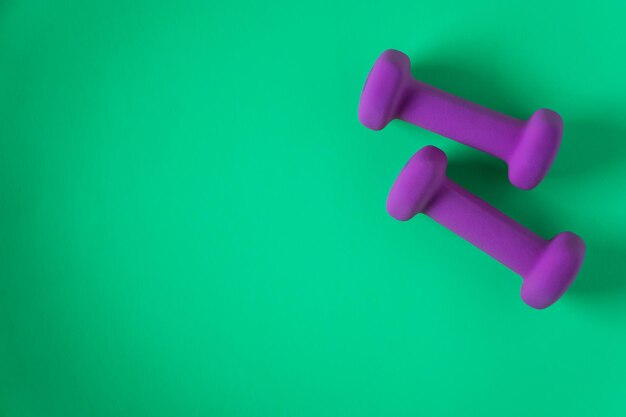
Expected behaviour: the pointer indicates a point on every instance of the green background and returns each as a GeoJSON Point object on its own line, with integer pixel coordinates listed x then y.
{"type": "Point", "coordinates": [192, 219]}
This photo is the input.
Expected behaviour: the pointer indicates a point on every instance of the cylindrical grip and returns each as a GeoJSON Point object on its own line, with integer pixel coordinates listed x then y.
{"type": "Point", "coordinates": [461, 120]}
{"type": "Point", "coordinates": [486, 227]}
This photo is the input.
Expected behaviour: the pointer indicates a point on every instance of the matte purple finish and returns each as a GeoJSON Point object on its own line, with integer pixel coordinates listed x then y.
{"type": "Point", "coordinates": [547, 266]}
{"type": "Point", "coordinates": [528, 147]}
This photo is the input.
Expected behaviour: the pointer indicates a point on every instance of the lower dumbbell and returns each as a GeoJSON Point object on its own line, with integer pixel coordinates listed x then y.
{"type": "Point", "coordinates": [547, 266]}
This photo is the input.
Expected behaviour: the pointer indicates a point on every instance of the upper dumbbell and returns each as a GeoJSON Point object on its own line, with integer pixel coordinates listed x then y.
{"type": "Point", "coordinates": [529, 147]}
{"type": "Point", "coordinates": [547, 266]}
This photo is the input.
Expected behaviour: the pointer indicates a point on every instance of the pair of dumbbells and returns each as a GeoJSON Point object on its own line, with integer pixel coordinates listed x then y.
{"type": "Point", "coordinates": [548, 267]}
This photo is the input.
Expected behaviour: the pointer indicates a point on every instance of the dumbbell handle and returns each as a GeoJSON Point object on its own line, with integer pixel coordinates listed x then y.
{"type": "Point", "coordinates": [486, 227]}
{"type": "Point", "coordinates": [461, 120]}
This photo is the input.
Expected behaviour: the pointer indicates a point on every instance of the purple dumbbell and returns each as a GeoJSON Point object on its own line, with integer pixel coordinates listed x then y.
{"type": "Point", "coordinates": [528, 147]}
{"type": "Point", "coordinates": [547, 266]}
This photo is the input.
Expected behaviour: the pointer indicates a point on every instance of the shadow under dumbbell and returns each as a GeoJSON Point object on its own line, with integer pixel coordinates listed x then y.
{"type": "Point", "coordinates": [597, 148]}
{"type": "Point", "coordinates": [604, 272]}
{"type": "Point", "coordinates": [487, 177]}
{"type": "Point", "coordinates": [590, 147]}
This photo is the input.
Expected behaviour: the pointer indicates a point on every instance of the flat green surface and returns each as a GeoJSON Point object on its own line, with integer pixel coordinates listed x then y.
{"type": "Point", "coordinates": [192, 219]}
